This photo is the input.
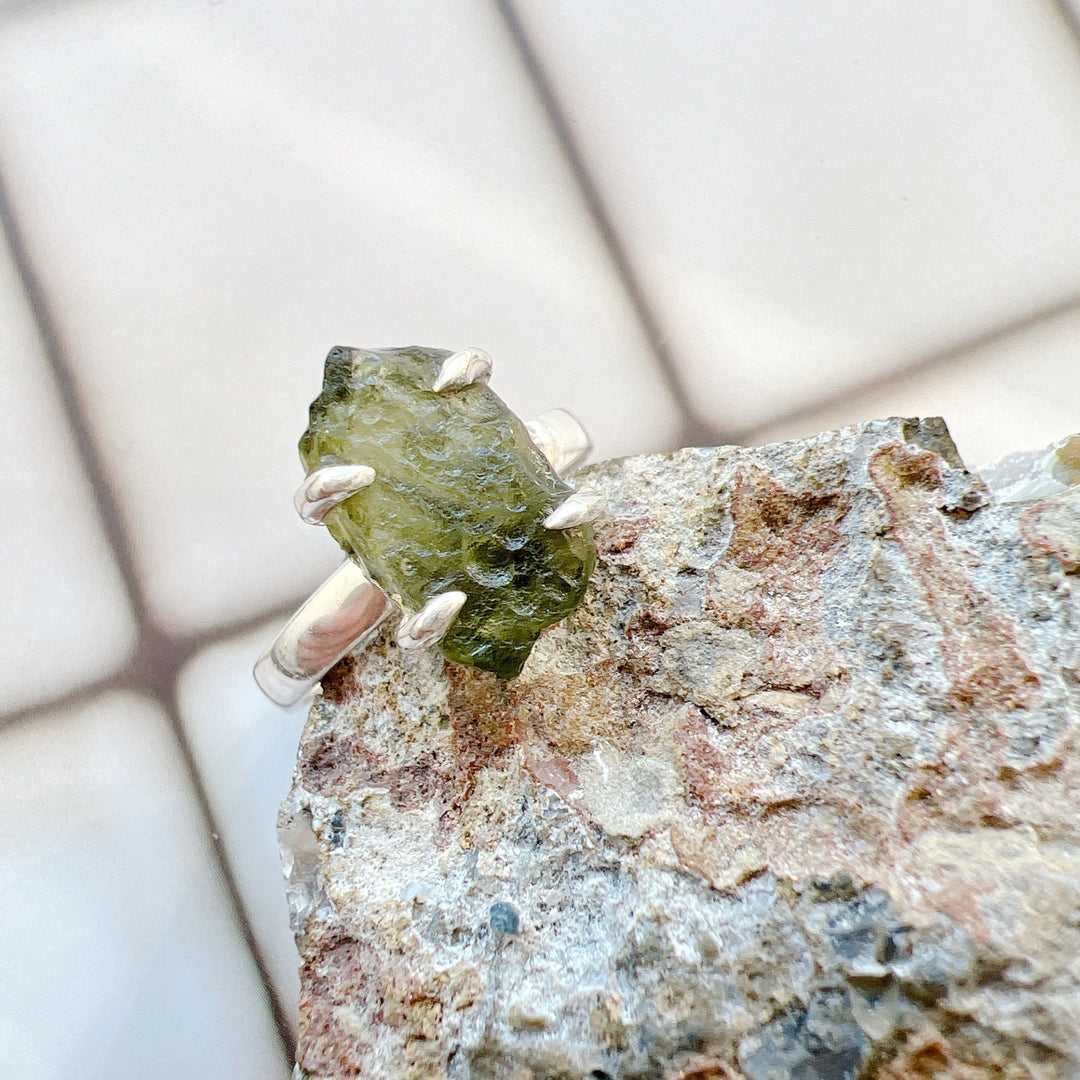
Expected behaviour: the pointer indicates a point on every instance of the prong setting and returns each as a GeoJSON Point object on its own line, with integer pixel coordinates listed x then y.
{"type": "Point", "coordinates": [463, 369]}
{"type": "Point", "coordinates": [325, 488]}
{"type": "Point", "coordinates": [429, 625]}
{"type": "Point", "coordinates": [560, 438]}
{"type": "Point", "coordinates": [580, 508]}
{"type": "Point", "coordinates": [495, 624]}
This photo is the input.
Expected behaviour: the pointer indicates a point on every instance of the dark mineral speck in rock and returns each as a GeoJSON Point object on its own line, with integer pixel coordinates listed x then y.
{"type": "Point", "coordinates": [819, 1042]}
{"type": "Point", "coordinates": [337, 828]}
{"type": "Point", "coordinates": [503, 918]}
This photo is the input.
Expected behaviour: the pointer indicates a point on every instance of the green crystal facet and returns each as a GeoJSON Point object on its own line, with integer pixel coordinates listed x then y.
{"type": "Point", "coordinates": [458, 501]}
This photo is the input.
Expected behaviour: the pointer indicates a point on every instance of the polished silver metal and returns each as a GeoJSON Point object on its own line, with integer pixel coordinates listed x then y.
{"type": "Point", "coordinates": [429, 625]}
{"type": "Point", "coordinates": [325, 488]}
{"type": "Point", "coordinates": [463, 369]}
{"type": "Point", "coordinates": [560, 438]}
{"type": "Point", "coordinates": [342, 614]}
{"type": "Point", "coordinates": [578, 509]}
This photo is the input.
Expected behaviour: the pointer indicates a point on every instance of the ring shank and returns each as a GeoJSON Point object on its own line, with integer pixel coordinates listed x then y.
{"type": "Point", "coordinates": [342, 614]}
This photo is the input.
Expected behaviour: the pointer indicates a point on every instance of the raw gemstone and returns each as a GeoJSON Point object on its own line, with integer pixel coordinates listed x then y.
{"type": "Point", "coordinates": [458, 501]}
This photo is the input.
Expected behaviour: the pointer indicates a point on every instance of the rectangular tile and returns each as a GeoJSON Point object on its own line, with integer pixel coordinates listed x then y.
{"type": "Point", "coordinates": [65, 616]}
{"type": "Point", "coordinates": [814, 195]}
{"type": "Point", "coordinates": [245, 751]}
{"type": "Point", "coordinates": [255, 188]}
{"type": "Point", "coordinates": [121, 960]}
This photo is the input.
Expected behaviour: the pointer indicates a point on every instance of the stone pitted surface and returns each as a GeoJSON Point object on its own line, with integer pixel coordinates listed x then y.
{"type": "Point", "coordinates": [458, 501]}
{"type": "Point", "coordinates": [793, 794]}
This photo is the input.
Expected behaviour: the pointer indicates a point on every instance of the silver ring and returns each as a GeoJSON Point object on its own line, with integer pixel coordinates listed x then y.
{"type": "Point", "coordinates": [466, 516]}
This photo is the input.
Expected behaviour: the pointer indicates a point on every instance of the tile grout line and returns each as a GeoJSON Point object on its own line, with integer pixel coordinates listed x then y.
{"type": "Point", "coordinates": [87, 450]}
{"type": "Point", "coordinates": [695, 431]}
{"type": "Point", "coordinates": [1070, 16]}
{"type": "Point", "coordinates": [951, 354]}
{"type": "Point", "coordinates": [128, 677]}
{"type": "Point", "coordinates": [153, 645]}
{"type": "Point", "coordinates": [81, 695]}
{"type": "Point", "coordinates": [232, 889]}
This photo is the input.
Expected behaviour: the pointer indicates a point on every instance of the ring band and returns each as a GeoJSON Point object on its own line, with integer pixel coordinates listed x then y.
{"type": "Point", "coordinates": [345, 612]}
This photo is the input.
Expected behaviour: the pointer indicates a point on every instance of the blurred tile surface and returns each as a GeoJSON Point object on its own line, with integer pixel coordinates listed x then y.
{"type": "Point", "coordinates": [120, 960]}
{"type": "Point", "coordinates": [245, 750]}
{"type": "Point", "coordinates": [817, 194]}
{"type": "Point", "coordinates": [1019, 393]}
{"type": "Point", "coordinates": [66, 619]}
{"type": "Point", "coordinates": [216, 194]}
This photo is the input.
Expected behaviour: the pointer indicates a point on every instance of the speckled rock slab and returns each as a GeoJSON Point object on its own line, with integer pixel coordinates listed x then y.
{"type": "Point", "coordinates": [794, 794]}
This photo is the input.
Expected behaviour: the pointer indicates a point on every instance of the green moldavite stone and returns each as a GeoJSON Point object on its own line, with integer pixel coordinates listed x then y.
{"type": "Point", "coordinates": [458, 501]}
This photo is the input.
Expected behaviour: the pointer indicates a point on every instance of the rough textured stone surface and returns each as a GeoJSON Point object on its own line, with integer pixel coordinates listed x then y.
{"type": "Point", "coordinates": [794, 794]}
{"type": "Point", "coordinates": [458, 502]}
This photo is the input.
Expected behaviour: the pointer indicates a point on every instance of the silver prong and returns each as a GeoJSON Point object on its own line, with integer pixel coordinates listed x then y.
{"type": "Point", "coordinates": [579, 509]}
{"type": "Point", "coordinates": [342, 614]}
{"type": "Point", "coordinates": [463, 369]}
{"type": "Point", "coordinates": [324, 488]}
{"type": "Point", "coordinates": [429, 625]}
{"type": "Point", "coordinates": [560, 438]}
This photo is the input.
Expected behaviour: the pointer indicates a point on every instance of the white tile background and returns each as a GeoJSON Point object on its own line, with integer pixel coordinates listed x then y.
{"type": "Point", "coordinates": [121, 958]}
{"type": "Point", "coordinates": [684, 221]}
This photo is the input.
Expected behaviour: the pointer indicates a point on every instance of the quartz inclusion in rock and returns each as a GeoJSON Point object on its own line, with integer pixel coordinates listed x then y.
{"type": "Point", "coordinates": [458, 501]}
